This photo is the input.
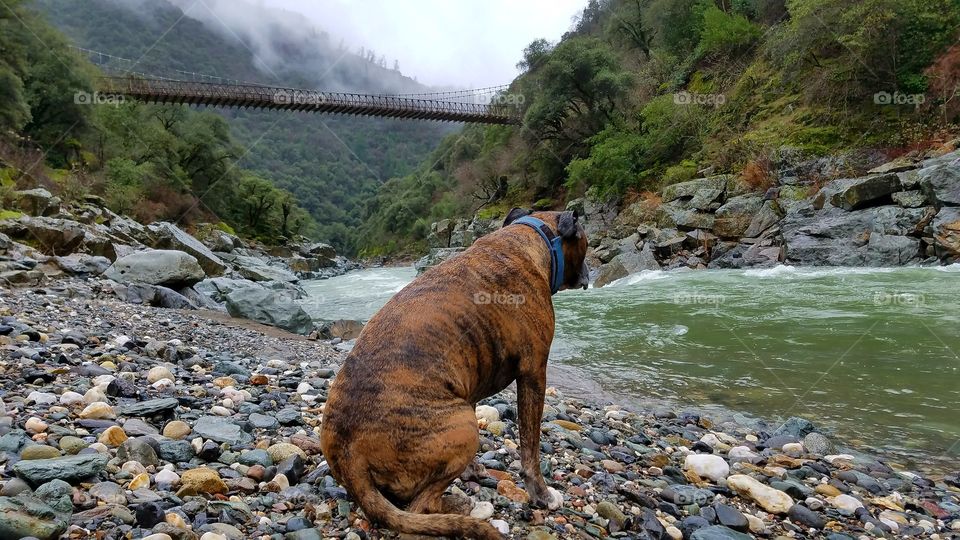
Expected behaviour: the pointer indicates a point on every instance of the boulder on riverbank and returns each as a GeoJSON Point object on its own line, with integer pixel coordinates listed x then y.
{"type": "Point", "coordinates": [273, 308]}
{"type": "Point", "coordinates": [156, 267]}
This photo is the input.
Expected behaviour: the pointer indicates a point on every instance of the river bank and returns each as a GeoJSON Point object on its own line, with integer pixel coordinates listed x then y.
{"type": "Point", "coordinates": [167, 422]}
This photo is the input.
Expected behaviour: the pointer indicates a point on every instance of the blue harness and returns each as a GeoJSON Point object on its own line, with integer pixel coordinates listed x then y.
{"type": "Point", "coordinates": [554, 242]}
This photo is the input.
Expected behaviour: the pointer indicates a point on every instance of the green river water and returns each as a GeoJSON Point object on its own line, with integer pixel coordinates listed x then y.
{"type": "Point", "coordinates": [872, 356]}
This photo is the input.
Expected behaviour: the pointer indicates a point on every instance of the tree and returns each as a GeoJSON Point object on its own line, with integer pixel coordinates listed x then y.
{"type": "Point", "coordinates": [258, 197]}
{"type": "Point", "coordinates": [582, 80]}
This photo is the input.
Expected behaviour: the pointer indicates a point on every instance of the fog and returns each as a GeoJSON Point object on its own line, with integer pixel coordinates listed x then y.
{"type": "Point", "coordinates": [441, 43]}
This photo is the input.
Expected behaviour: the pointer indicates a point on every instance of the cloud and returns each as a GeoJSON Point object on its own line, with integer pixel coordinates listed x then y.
{"type": "Point", "coordinates": [443, 43]}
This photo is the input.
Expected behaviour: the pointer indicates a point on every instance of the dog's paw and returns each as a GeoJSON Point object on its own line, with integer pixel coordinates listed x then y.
{"type": "Point", "coordinates": [556, 499]}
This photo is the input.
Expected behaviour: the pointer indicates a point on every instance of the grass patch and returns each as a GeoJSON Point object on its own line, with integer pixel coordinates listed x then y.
{"type": "Point", "coordinates": [10, 214]}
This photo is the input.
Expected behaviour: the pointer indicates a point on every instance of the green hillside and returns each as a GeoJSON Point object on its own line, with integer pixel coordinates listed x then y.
{"type": "Point", "coordinates": [329, 165]}
{"type": "Point", "coordinates": [644, 93]}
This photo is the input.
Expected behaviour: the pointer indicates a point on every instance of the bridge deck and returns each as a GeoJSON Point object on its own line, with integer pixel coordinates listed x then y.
{"type": "Point", "coordinates": [278, 98]}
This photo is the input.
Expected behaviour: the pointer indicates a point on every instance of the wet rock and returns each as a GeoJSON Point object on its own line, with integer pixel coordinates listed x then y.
{"type": "Point", "coordinates": [269, 307]}
{"type": "Point", "coordinates": [150, 407]}
{"type": "Point", "coordinates": [731, 517]}
{"type": "Point", "coordinates": [804, 516]}
{"type": "Point", "coordinates": [718, 532]}
{"type": "Point", "coordinates": [139, 450]}
{"type": "Point", "coordinates": [219, 430]}
{"type": "Point", "coordinates": [855, 193]}
{"type": "Point", "coordinates": [736, 215]}
{"type": "Point", "coordinates": [170, 237]}
{"type": "Point", "coordinates": [69, 469]}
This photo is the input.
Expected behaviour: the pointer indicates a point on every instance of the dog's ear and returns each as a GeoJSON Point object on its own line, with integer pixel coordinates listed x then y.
{"type": "Point", "coordinates": [516, 214]}
{"type": "Point", "coordinates": [567, 225]}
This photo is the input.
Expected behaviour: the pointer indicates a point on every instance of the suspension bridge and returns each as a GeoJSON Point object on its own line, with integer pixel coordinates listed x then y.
{"type": "Point", "coordinates": [491, 105]}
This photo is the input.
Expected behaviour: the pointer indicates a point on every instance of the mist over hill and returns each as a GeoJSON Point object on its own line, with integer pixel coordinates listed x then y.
{"type": "Point", "coordinates": [330, 163]}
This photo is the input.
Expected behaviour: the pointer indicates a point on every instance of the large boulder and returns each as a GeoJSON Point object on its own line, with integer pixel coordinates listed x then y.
{"type": "Point", "coordinates": [735, 216]}
{"type": "Point", "coordinates": [440, 232]}
{"type": "Point", "coordinates": [626, 263]}
{"type": "Point", "coordinates": [218, 288]}
{"type": "Point", "coordinates": [435, 257]}
{"type": "Point", "coordinates": [856, 193]}
{"type": "Point", "coordinates": [891, 250]}
{"type": "Point", "coordinates": [169, 236]}
{"type": "Point", "coordinates": [153, 295]}
{"type": "Point", "coordinates": [256, 269]}
{"type": "Point", "coordinates": [81, 264]}
{"type": "Point", "coordinates": [701, 191]}
{"type": "Point", "coordinates": [677, 215]}
{"type": "Point", "coordinates": [37, 202]}
{"type": "Point", "coordinates": [759, 255]}
{"type": "Point", "coordinates": [946, 232]}
{"type": "Point", "coordinates": [156, 267]}
{"type": "Point", "coordinates": [48, 235]}
{"type": "Point", "coordinates": [941, 183]}
{"type": "Point", "coordinates": [835, 237]}
{"type": "Point", "coordinates": [768, 216]}
{"type": "Point", "coordinates": [320, 249]}
{"type": "Point", "coordinates": [273, 308]}
{"type": "Point", "coordinates": [596, 217]}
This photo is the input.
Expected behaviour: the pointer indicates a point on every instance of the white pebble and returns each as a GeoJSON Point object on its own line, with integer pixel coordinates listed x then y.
{"type": "Point", "coordinates": [483, 510]}
{"type": "Point", "coordinates": [487, 413]}
{"type": "Point", "coordinates": [157, 373]}
{"type": "Point", "coordinates": [41, 398]}
{"type": "Point", "coordinates": [501, 526]}
{"type": "Point", "coordinates": [69, 398]}
{"type": "Point", "coordinates": [217, 410]}
{"type": "Point", "coordinates": [707, 466]}
{"type": "Point", "coordinates": [793, 449]}
{"type": "Point", "coordinates": [166, 476]}
{"type": "Point", "coordinates": [846, 502]}
{"type": "Point", "coordinates": [163, 384]}
{"type": "Point", "coordinates": [95, 395]}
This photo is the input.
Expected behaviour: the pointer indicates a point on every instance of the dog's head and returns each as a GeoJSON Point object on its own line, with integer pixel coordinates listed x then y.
{"type": "Point", "coordinates": [576, 274]}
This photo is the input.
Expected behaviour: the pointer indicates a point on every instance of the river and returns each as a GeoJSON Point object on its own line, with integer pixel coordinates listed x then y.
{"type": "Point", "coordinates": [870, 355]}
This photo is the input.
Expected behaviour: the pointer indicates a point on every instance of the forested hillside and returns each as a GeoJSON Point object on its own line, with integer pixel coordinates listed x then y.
{"type": "Point", "coordinates": [149, 155]}
{"type": "Point", "coordinates": [645, 93]}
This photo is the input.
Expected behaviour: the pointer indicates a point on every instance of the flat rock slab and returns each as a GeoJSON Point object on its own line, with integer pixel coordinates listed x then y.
{"type": "Point", "coordinates": [220, 430]}
{"type": "Point", "coordinates": [69, 469]}
{"type": "Point", "coordinates": [149, 408]}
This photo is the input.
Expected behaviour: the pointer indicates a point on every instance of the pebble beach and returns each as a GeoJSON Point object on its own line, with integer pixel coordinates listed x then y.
{"type": "Point", "coordinates": [128, 421]}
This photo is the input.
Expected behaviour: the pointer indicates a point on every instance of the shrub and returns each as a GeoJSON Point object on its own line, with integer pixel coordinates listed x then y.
{"type": "Point", "coordinates": [758, 174]}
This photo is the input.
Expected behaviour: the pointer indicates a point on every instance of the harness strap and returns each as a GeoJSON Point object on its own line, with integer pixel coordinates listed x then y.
{"type": "Point", "coordinates": [554, 243]}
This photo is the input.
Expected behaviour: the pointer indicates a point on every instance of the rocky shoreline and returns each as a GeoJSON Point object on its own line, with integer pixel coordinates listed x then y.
{"type": "Point", "coordinates": [139, 422]}
{"type": "Point", "coordinates": [858, 209]}
{"type": "Point", "coordinates": [162, 265]}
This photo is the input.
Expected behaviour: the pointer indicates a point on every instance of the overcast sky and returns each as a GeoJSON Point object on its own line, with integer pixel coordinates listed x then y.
{"type": "Point", "coordinates": [464, 43]}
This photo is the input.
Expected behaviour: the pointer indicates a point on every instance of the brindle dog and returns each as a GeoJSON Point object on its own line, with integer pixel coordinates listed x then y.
{"type": "Point", "coordinates": [399, 424]}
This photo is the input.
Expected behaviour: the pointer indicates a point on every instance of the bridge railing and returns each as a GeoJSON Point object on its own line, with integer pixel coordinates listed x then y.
{"type": "Point", "coordinates": [162, 90]}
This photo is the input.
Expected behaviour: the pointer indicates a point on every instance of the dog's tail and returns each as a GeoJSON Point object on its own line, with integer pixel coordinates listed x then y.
{"type": "Point", "coordinates": [380, 510]}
